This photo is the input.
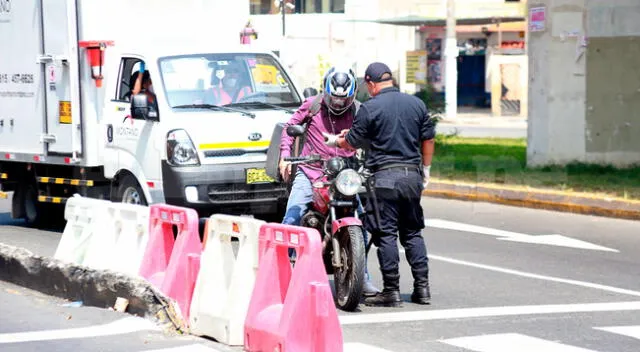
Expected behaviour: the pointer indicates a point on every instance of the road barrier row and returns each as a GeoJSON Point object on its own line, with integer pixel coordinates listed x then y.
{"type": "Point", "coordinates": [253, 299]}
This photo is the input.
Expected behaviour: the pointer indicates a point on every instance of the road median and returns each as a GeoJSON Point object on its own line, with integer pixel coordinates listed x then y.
{"type": "Point", "coordinates": [574, 202]}
{"type": "Point", "coordinates": [96, 288]}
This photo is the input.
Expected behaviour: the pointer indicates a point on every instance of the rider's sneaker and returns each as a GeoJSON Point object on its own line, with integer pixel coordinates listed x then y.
{"type": "Point", "coordinates": [368, 289]}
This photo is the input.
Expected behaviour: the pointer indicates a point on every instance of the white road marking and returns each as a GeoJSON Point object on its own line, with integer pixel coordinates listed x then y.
{"type": "Point", "coordinates": [122, 326]}
{"type": "Point", "coordinates": [553, 239]}
{"type": "Point", "coordinates": [510, 343]}
{"type": "Point", "coordinates": [536, 276]}
{"type": "Point", "coordinates": [631, 331]}
{"type": "Point", "coordinates": [188, 348]}
{"type": "Point", "coordinates": [348, 347]}
{"type": "Point", "coordinates": [361, 347]}
{"type": "Point", "coordinates": [464, 313]}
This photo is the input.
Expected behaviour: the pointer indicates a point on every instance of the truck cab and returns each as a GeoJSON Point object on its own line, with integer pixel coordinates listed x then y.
{"type": "Point", "coordinates": [201, 135]}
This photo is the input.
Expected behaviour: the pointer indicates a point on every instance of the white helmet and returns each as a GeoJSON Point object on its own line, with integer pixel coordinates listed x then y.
{"type": "Point", "coordinates": [339, 90]}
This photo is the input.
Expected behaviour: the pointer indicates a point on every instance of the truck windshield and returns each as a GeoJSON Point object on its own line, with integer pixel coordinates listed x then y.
{"type": "Point", "coordinates": [224, 79]}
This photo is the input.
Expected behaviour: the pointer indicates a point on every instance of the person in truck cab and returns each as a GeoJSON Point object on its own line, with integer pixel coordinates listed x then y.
{"type": "Point", "coordinates": [140, 83]}
{"type": "Point", "coordinates": [227, 85]}
{"type": "Point", "coordinates": [335, 113]}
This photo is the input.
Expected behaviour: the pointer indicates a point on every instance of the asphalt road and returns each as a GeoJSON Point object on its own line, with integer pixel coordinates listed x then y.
{"type": "Point", "coordinates": [521, 280]}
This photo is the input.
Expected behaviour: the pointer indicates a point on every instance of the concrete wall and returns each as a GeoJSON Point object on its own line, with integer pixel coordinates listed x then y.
{"type": "Point", "coordinates": [584, 85]}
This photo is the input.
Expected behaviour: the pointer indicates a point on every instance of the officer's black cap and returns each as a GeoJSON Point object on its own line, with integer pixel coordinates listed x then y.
{"type": "Point", "coordinates": [375, 71]}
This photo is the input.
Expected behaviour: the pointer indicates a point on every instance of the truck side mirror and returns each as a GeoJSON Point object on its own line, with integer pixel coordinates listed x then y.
{"type": "Point", "coordinates": [144, 107]}
{"type": "Point", "coordinates": [295, 130]}
{"type": "Point", "coordinates": [309, 92]}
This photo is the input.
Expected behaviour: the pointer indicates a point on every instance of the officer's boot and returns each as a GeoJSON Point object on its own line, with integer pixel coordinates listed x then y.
{"type": "Point", "coordinates": [390, 295]}
{"type": "Point", "coordinates": [421, 293]}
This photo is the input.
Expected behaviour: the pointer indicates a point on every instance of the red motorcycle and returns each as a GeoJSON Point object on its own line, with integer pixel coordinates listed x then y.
{"type": "Point", "coordinates": [334, 213]}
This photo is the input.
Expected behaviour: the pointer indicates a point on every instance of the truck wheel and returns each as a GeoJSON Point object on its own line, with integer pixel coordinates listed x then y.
{"type": "Point", "coordinates": [129, 191]}
{"type": "Point", "coordinates": [35, 213]}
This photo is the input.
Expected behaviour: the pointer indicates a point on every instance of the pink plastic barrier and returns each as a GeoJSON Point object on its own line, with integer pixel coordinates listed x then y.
{"type": "Point", "coordinates": [172, 266]}
{"type": "Point", "coordinates": [291, 309]}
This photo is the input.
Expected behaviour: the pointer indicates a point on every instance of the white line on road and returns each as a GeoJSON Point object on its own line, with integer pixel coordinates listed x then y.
{"type": "Point", "coordinates": [552, 239]}
{"type": "Point", "coordinates": [631, 331]}
{"type": "Point", "coordinates": [464, 313]}
{"type": "Point", "coordinates": [122, 326]}
{"type": "Point", "coordinates": [536, 276]}
{"type": "Point", "coordinates": [188, 348]}
{"type": "Point", "coordinates": [348, 347]}
{"type": "Point", "coordinates": [510, 343]}
{"type": "Point", "coordinates": [361, 347]}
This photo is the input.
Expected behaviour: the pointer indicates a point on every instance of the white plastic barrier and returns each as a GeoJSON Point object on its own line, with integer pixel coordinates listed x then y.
{"type": "Point", "coordinates": [81, 215]}
{"type": "Point", "coordinates": [122, 235]}
{"type": "Point", "coordinates": [225, 283]}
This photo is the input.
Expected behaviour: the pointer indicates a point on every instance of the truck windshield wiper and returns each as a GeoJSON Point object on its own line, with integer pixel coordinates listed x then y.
{"type": "Point", "coordinates": [215, 107]}
{"type": "Point", "coordinates": [259, 103]}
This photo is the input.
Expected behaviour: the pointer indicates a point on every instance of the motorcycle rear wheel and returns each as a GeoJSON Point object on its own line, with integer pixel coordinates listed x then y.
{"type": "Point", "coordinates": [349, 279]}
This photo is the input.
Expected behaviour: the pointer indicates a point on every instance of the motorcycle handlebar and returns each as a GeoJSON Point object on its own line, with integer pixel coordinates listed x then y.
{"type": "Point", "coordinates": [303, 158]}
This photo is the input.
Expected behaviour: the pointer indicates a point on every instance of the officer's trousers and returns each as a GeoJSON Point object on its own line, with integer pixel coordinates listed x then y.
{"type": "Point", "coordinates": [397, 193]}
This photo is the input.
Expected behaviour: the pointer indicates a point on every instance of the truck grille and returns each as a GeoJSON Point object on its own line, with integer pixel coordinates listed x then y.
{"type": "Point", "coordinates": [230, 192]}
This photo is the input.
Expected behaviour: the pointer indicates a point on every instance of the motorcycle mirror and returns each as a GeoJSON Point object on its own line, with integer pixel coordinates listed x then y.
{"type": "Point", "coordinates": [295, 130]}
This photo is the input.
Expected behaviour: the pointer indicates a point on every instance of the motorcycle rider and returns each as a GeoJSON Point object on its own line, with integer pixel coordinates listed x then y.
{"type": "Point", "coordinates": [335, 113]}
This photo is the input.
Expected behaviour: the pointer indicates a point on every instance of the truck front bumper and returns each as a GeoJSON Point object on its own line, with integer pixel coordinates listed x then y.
{"type": "Point", "coordinates": [221, 188]}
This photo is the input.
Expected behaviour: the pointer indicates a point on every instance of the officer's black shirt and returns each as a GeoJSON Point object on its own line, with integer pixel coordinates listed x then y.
{"type": "Point", "coordinates": [391, 126]}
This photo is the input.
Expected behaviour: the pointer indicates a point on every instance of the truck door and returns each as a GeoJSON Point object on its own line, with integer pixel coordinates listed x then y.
{"type": "Point", "coordinates": [135, 140]}
{"type": "Point", "coordinates": [60, 59]}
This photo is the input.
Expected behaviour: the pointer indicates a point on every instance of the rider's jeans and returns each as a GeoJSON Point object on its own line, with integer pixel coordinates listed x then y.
{"type": "Point", "coordinates": [299, 199]}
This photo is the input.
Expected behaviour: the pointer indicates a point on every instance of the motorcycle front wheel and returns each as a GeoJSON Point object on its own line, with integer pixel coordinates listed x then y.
{"type": "Point", "coordinates": [349, 279]}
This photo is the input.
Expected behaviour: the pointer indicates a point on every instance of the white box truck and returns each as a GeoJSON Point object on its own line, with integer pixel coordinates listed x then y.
{"type": "Point", "coordinates": [198, 137]}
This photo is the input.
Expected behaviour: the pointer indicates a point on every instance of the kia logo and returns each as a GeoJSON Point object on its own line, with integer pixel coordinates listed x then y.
{"type": "Point", "coordinates": [255, 136]}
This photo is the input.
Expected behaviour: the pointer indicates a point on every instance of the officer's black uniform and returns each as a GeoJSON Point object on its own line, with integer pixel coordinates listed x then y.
{"type": "Point", "coordinates": [391, 127]}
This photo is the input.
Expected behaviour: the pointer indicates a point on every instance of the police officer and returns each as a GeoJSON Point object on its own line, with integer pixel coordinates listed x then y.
{"type": "Point", "coordinates": [399, 138]}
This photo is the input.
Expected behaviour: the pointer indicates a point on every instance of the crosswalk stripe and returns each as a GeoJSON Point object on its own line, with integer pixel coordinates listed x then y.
{"type": "Point", "coordinates": [348, 347]}
{"type": "Point", "coordinates": [361, 347]}
{"type": "Point", "coordinates": [186, 348]}
{"type": "Point", "coordinates": [631, 331]}
{"type": "Point", "coordinates": [510, 343]}
{"type": "Point", "coordinates": [122, 326]}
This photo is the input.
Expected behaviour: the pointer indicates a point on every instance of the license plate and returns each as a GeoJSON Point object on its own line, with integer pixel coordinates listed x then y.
{"type": "Point", "coordinates": [258, 176]}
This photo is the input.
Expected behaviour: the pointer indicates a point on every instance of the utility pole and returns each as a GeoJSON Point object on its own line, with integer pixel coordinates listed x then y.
{"type": "Point", "coordinates": [283, 9]}
{"type": "Point", "coordinates": [451, 64]}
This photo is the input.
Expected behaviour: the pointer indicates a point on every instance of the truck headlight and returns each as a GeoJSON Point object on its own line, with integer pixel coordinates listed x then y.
{"type": "Point", "coordinates": [348, 182]}
{"type": "Point", "coordinates": [180, 149]}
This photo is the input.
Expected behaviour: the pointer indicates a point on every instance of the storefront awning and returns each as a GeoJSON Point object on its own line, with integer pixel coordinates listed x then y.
{"type": "Point", "coordinates": [413, 20]}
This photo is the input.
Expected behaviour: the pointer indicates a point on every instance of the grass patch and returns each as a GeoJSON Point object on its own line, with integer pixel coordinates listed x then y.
{"type": "Point", "coordinates": [503, 161]}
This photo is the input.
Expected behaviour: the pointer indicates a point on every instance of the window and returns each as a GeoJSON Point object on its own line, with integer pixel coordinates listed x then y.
{"type": "Point", "coordinates": [322, 6]}
{"type": "Point", "coordinates": [263, 7]}
{"type": "Point", "coordinates": [223, 79]}
{"type": "Point", "coordinates": [128, 66]}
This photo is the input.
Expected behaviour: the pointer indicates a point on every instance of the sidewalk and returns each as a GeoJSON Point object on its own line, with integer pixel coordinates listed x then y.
{"type": "Point", "coordinates": [483, 117]}
{"type": "Point", "coordinates": [573, 202]}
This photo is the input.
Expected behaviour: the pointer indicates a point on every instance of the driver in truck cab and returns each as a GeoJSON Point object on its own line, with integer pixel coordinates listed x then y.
{"type": "Point", "coordinates": [227, 84]}
{"type": "Point", "coordinates": [336, 113]}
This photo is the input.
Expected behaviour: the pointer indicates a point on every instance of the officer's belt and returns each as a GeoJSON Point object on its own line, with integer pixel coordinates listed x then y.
{"type": "Point", "coordinates": [395, 166]}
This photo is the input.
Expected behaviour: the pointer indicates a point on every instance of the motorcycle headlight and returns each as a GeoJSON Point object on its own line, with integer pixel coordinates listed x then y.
{"type": "Point", "coordinates": [348, 182]}
{"type": "Point", "coordinates": [180, 149]}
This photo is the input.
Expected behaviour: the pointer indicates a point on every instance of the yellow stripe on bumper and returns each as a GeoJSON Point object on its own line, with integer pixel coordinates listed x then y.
{"type": "Point", "coordinates": [3, 195]}
{"type": "Point", "coordinates": [234, 145]}
{"type": "Point", "coordinates": [57, 200]}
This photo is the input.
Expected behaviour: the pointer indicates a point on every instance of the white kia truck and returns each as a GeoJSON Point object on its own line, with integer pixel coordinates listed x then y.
{"type": "Point", "coordinates": [197, 137]}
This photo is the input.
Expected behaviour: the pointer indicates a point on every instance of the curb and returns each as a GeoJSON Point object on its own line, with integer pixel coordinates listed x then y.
{"type": "Point", "coordinates": [580, 203]}
{"type": "Point", "coordinates": [96, 288]}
